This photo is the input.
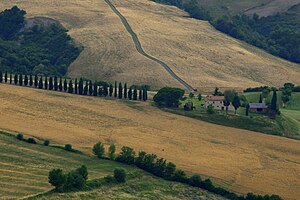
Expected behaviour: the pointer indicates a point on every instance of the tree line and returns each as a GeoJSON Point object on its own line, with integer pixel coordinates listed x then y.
{"type": "Point", "coordinates": [167, 170]}
{"type": "Point", "coordinates": [79, 87]}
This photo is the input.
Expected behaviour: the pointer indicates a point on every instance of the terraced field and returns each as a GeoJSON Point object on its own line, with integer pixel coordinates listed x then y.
{"type": "Point", "coordinates": [240, 160]}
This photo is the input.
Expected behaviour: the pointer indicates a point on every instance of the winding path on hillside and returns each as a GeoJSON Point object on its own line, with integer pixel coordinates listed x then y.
{"type": "Point", "coordinates": [141, 50]}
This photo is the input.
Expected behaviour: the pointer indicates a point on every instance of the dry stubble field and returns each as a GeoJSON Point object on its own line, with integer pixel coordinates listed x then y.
{"type": "Point", "coordinates": [241, 160]}
{"type": "Point", "coordinates": [197, 52]}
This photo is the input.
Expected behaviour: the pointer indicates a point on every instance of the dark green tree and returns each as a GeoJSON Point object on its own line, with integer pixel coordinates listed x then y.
{"type": "Point", "coordinates": [86, 88]}
{"type": "Point", "coordinates": [100, 91]}
{"type": "Point", "coordinates": [55, 83]}
{"type": "Point", "coordinates": [145, 94]}
{"type": "Point", "coordinates": [41, 83]}
{"type": "Point", "coordinates": [120, 175]}
{"type": "Point", "coordinates": [80, 87]}
{"type": "Point", "coordinates": [5, 77]}
{"type": "Point", "coordinates": [76, 86]}
{"type": "Point", "coordinates": [168, 97]}
{"type": "Point", "coordinates": [46, 83]}
{"type": "Point", "coordinates": [10, 78]}
{"type": "Point", "coordinates": [90, 88]}
{"type": "Point", "coordinates": [50, 83]}
{"type": "Point", "coordinates": [105, 91]}
{"type": "Point", "coordinates": [30, 81]}
{"type": "Point", "coordinates": [57, 178]}
{"type": "Point", "coordinates": [112, 151]}
{"type": "Point", "coordinates": [36, 81]}
{"type": "Point", "coordinates": [1, 77]}
{"type": "Point", "coordinates": [247, 109]}
{"type": "Point", "coordinates": [236, 103]}
{"type": "Point", "coordinates": [125, 91]}
{"type": "Point", "coordinates": [120, 91]}
{"type": "Point", "coordinates": [70, 88]}
{"type": "Point", "coordinates": [65, 85]}
{"type": "Point", "coordinates": [130, 94]}
{"type": "Point", "coordinates": [140, 94]}
{"type": "Point", "coordinates": [260, 99]}
{"type": "Point", "coordinates": [111, 90]}
{"type": "Point", "coordinates": [115, 93]}
{"type": "Point", "coordinates": [60, 86]}
{"type": "Point", "coordinates": [20, 79]}
{"type": "Point", "coordinates": [98, 149]}
{"type": "Point", "coordinates": [95, 90]}
{"type": "Point", "coordinates": [26, 80]}
{"type": "Point", "coordinates": [135, 95]}
{"type": "Point", "coordinates": [273, 105]}
{"type": "Point", "coordinates": [16, 79]}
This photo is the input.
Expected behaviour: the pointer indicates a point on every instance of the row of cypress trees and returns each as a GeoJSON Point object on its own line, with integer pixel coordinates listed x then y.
{"type": "Point", "coordinates": [78, 87]}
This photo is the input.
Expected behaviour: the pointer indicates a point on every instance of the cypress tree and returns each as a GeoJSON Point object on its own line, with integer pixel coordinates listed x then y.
{"type": "Point", "coordinates": [130, 94]}
{"type": "Point", "coordinates": [115, 89]}
{"type": "Point", "coordinates": [260, 99]}
{"type": "Point", "coordinates": [140, 94]}
{"type": "Point", "coordinates": [111, 90]}
{"type": "Point", "coordinates": [95, 89]}
{"type": "Point", "coordinates": [35, 81]}
{"type": "Point", "coordinates": [105, 91]}
{"type": "Point", "coordinates": [41, 83]}
{"type": "Point", "coordinates": [80, 88]}
{"type": "Point", "coordinates": [100, 91]}
{"type": "Point", "coordinates": [46, 83]}
{"type": "Point", "coordinates": [5, 77]}
{"type": "Point", "coordinates": [10, 78]}
{"type": "Point", "coordinates": [50, 83]}
{"type": "Point", "coordinates": [135, 94]}
{"type": "Point", "coordinates": [274, 101]}
{"type": "Point", "coordinates": [55, 83]}
{"type": "Point", "coordinates": [120, 91]}
{"type": "Point", "coordinates": [60, 86]}
{"type": "Point", "coordinates": [30, 81]}
{"type": "Point", "coordinates": [70, 89]}
{"type": "Point", "coordinates": [16, 79]}
{"type": "Point", "coordinates": [26, 80]}
{"type": "Point", "coordinates": [90, 88]}
{"type": "Point", "coordinates": [1, 77]}
{"type": "Point", "coordinates": [20, 79]}
{"type": "Point", "coordinates": [65, 85]}
{"type": "Point", "coordinates": [125, 91]}
{"type": "Point", "coordinates": [76, 86]}
{"type": "Point", "coordinates": [145, 94]}
{"type": "Point", "coordinates": [86, 88]}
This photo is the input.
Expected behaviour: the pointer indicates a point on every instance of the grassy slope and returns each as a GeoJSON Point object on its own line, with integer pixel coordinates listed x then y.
{"type": "Point", "coordinates": [194, 50]}
{"type": "Point", "coordinates": [27, 174]}
{"type": "Point", "coordinates": [240, 160]}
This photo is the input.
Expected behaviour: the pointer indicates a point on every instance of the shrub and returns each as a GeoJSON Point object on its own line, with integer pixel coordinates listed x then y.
{"type": "Point", "coordinates": [210, 109]}
{"type": "Point", "coordinates": [68, 147]}
{"type": "Point", "coordinates": [120, 175]}
{"type": "Point", "coordinates": [31, 141]}
{"type": "Point", "coordinates": [126, 156]}
{"type": "Point", "coordinates": [111, 151]}
{"type": "Point", "coordinates": [98, 149]}
{"type": "Point", "coordinates": [109, 179]}
{"type": "Point", "coordinates": [195, 181]}
{"type": "Point", "coordinates": [20, 136]}
{"type": "Point", "coordinates": [46, 142]}
{"type": "Point", "coordinates": [57, 178]}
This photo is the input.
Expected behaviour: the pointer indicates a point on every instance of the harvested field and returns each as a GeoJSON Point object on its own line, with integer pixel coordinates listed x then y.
{"type": "Point", "coordinates": [241, 160]}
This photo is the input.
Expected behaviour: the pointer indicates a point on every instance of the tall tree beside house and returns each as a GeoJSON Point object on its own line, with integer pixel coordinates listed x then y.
{"type": "Point", "coordinates": [140, 94]}
{"type": "Point", "coordinates": [36, 81]}
{"type": "Point", "coordinates": [236, 103]}
{"type": "Point", "coordinates": [20, 79]}
{"type": "Point", "coordinates": [70, 88]}
{"type": "Point", "coordinates": [105, 90]}
{"type": "Point", "coordinates": [247, 109]}
{"type": "Point", "coordinates": [26, 80]}
{"type": "Point", "coordinates": [120, 91]}
{"type": "Point", "coordinates": [125, 91]}
{"type": "Point", "coordinates": [1, 77]}
{"type": "Point", "coordinates": [226, 103]}
{"type": "Point", "coordinates": [130, 93]}
{"type": "Point", "coordinates": [111, 90]}
{"type": "Point", "coordinates": [30, 80]}
{"type": "Point", "coordinates": [60, 86]}
{"type": "Point", "coordinates": [50, 83]}
{"type": "Point", "coordinates": [5, 77]}
{"type": "Point", "coordinates": [65, 85]}
{"type": "Point", "coordinates": [260, 98]}
{"type": "Point", "coordinates": [80, 87]}
{"type": "Point", "coordinates": [95, 90]}
{"type": "Point", "coordinates": [46, 83]}
{"type": "Point", "coordinates": [115, 94]}
{"type": "Point", "coordinates": [41, 83]}
{"type": "Point", "coordinates": [16, 79]}
{"type": "Point", "coordinates": [86, 88]}
{"type": "Point", "coordinates": [55, 83]}
{"type": "Point", "coordinates": [90, 88]}
{"type": "Point", "coordinates": [273, 105]}
{"type": "Point", "coordinates": [76, 86]}
{"type": "Point", "coordinates": [135, 95]}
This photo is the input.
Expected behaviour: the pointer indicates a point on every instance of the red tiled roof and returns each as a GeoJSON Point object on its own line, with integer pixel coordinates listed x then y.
{"type": "Point", "coordinates": [215, 98]}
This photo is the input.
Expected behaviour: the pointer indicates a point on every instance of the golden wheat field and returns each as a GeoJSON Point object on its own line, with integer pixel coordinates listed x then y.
{"type": "Point", "coordinates": [241, 160]}
{"type": "Point", "coordinates": [199, 54]}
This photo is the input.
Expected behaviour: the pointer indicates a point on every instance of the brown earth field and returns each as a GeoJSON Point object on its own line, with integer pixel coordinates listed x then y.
{"type": "Point", "coordinates": [240, 160]}
{"type": "Point", "coordinates": [195, 51]}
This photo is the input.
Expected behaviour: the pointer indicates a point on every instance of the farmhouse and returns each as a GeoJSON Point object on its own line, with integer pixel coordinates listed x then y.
{"type": "Point", "coordinates": [217, 102]}
{"type": "Point", "coordinates": [258, 107]}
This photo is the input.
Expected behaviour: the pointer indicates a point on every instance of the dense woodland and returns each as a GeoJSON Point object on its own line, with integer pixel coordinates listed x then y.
{"type": "Point", "coordinates": [278, 34]}
{"type": "Point", "coordinates": [37, 50]}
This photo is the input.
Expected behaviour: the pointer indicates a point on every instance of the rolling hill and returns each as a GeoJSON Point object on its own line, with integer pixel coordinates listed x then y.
{"type": "Point", "coordinates": [239, 160]}
{"type": "Point", "coordinates": [194, 50]}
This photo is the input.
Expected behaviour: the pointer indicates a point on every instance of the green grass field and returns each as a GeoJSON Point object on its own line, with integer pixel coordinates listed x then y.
{"type": "Point", "coordinates": [24, 173]}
